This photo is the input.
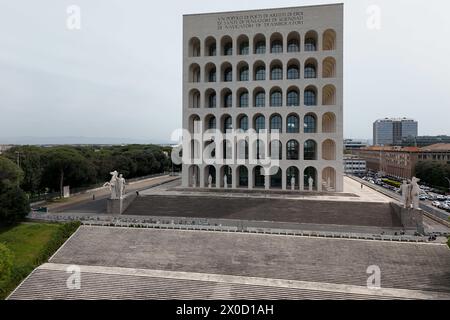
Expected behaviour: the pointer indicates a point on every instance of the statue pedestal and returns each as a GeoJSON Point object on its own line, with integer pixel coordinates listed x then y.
{"type": "Point", "coordinates": [118, 206]}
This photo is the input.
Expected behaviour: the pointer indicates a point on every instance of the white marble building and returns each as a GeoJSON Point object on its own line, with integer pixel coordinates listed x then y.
{"type": "Point", "coordinates": [266, 70]}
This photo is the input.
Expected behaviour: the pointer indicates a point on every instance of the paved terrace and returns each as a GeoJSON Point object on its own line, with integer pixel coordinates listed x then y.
{"type": "Point", "coordinates": [126, 263]}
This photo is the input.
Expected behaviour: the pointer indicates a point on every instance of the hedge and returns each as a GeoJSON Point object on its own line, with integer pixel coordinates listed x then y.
{"type": "Point", "coordinates": [392, 183]}
{"type": "Point", "coordinates": [6, 265]}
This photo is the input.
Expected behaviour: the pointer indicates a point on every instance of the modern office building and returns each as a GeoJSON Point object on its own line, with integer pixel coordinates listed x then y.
{"type": "Point", "coordinates": [391, 131]}
{"type": "Point", "coordinates": [354, 144]}
{"type": "Point", "coordinates": [354, 165]}
{"type": "Point", "coordinates": [264, 71]}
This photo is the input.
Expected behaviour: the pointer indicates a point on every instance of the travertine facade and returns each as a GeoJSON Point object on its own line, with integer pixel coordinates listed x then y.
{"type": "Point", "coordinates": [277, 69]}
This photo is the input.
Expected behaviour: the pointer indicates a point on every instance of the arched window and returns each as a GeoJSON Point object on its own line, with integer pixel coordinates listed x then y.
{"type": "Point", "coordinates": [227, 100]}
{"type": "Point", "coordinates": [310, 71]}
{"type": "Point", "coordinates": [260, 73]}
{"type": "Point", "coordinates": [228, 75]}
{"type": "Point", "coordinates": [310, 97]}
{"type": "Point", "coordinates": [194, 73]}
{"type": "Point", "coordinates": [243, 74]}
{"type": "Point", "coordinates": [259, 44]}
{"type": "Point", "coordinates": [227, 46]}
{"type": "Point", "coordinates": [293, 44]}
{"type": "Point", "coordinates": [310, 123]}
{"type": "Point", "coordinates": [329, 68]}
{"type": "Point", "coordinates": [260, 99]}
{"type": "Point", "coordinates": [292, 172]}
{"type": "Point", "coordinates": [310, 173]}
{"type": "Point", "coordinates": [293, 99]}
{"type": "Point", "coordinates": [292, 152]}
{"type": "Point", "coordinates": [311, 41]}
{"type": "Point", "coordinates": [243, 176]}
{"type": "Point", "coordinates": [212, 123]}
{"type": "Point", "coordinates": [329, 40]}
{"type": "Point", "coordinates": [243, 123]}
{"type": "Point", "coordinates": [194, 47]}
{"type": "Point", "coordinates": [194, 99]}
{"type": "Point", "coordinates": [243, 100]}
{"type": "Point", "coordinates": [259, 177]}
{"type": "Point", "coordinates": [211, 99]}
{"type": "Point", "coordinates": [260, 123]}
{"type": "Point", "coordinates": [276, 73]}
{"type": "Point", "coordinates": [293, 72]}
{"type": "Point", "coordinates": [292, 124]}
{"type": "Point", "coordinates": [243, 45]}
{"type": "Point", "coordinates": [276, 123]}
{"type": "Point", "coordinates": [210, 46]}
{"type": "Point", "coordinates": [212, 75]}
{"type": "Point", "coordinates": [328, 95]}
{"type": "Point", "coordinates": [227, 123]}
{"type": "Point", "coordinates": [276, 43]}
{"type": "Point", "coordinates": [310, 150]}
{"type": "Point", "coordinates": [276, 98]}
{"type": "Point", "coordinates": [276, 150]}
{"type": "Point", "coordinates": [329, 122]}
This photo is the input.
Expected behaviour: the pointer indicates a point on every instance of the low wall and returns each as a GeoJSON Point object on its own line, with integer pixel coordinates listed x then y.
{"type": "Point", "coordinates": [118, 206]}
{"type": "Point", "coordinates": [411, 219]}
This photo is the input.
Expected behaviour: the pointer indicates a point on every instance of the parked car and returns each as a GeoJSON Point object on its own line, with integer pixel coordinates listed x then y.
{"type": "Point", "coordinates": [423, 197]}
{"type": "Point", "coordinates": [435, 203]}
{"type": "Point", "coordinates": [441, 198]}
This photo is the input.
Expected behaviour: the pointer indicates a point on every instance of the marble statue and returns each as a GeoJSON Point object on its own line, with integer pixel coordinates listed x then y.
{"type": "Point", "coordinates": [121, 186]}
{"type": "Point", "coordinates": [415, 192]}
{"type": "Point", "coordinates": [405, 194]}
{"type": "Point", "coordinates": [292, 183]}
{"type": "Point", "coordinates": [113, 185]}
{"type": "Point", "coordinates": [210, 179]}
{"type": "Point", "coordinates": [194, 180]}
{"type": "Point", "coordinates": [310, 183]}
{"type": "Point", "coordinates": [225, 182]}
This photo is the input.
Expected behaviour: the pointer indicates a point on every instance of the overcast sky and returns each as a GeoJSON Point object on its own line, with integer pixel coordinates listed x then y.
{"type": "Point", "coordinates": [120, 75]}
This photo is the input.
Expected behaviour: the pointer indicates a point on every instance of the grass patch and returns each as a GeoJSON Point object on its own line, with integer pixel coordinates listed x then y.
{"type": "Point", "coordinates": [31, 244]}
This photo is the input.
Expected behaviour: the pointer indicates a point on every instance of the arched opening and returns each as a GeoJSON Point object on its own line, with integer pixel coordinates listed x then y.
{"type": "Point", "coordinates": [276, 97]}
{"type": "Point", "coordinates": [194, 98]}
{"type": "Point", "coordinates": [292, 150]}
{"type": "Point", "coordinates": [242, 149]}
{"type": "Point", "coordinates": [329, 123]}
{"type": "Point", "coordinates": [226, 98]}
{"type": "Point", "coordinates": [210, 47]}
{"type": "Point", "coordinates": [328, 150]}
{"type": "Point", "coordinates": [209, 151]}
{"type": "Point", "coordinates": [292, 178]}
{"type": "Point", "coordinates": [293, 97]}
{"type": "Point", "coordinates": [210, 176]}
{"type": "Point", "coordinates": [329, 40]}
{"type": "Point", "coordinates": [276, 123]}
{"type": "Point", "coordinates": [276, 70]}
{"type": "Point", "coordinates": [292, 124]}
{"type": "Point", "coordinates": [329, 179]}
{"type": "Point", "coordinates": [310, 123]}
{"type": "Point", "coordinates": [329, 95]}
{"type": "Point", "coordinates": [259, 71]}
{"type": "Point", "coordinates": [210, 72]}
{"type": "Point", "coordinates": [276, 150]}
{"type": "Point", "coordinates": [227, 72]}
{"type": "Point", "coordinates": [310, 150]}
{"type": "Point", "coordinates": [276, 179]}
{"type": "Point", "coordinates": [194, 176]}
{"type": "Point", "coordinates": [210, 98]}
{"type": "Point", "coordinates": [243, 45]}
{"type": "Point", "coordinates": [293, 42]}
{"type": "Point", "coordinates": [293, 69]}
{"type": "Point", "coordinates": [259, 44]}
{"type": "Point", "coordinates": [194, 73]}
{"type": "Point", "coordinates": [226, 175]}
{"type": "Point", "coordinates": [329, 68]}
{"type": "Point", "coordinates": [258, 177]}
{"type": "Point", "coordinates": [310, 96]}
{"type": "Point", "coordinates": [310, 179]}
{"type": "Point", "coordinates": [276, 43]}
{"type": "Point", "coordinates": [243, 71]}
{"type": "Point", "coordinates": [259, 123]}
{"type": "Point", "coordinates": [243, 98]}
{"type": "Point", "coordinates": [227, 46]}
{"type": "Point", "coordinates": [194, 124]}
{"type": "Point", "coordinates": [310, 69]}
{"type": "Point", "coordinates": [210, 122]}
{"type": "Point", "coordinates": [311, 41]}
{"type": "Point", "coordinates": [242, 121]}
{"type": "Point", "coordinates": [194, 47]}
{"type": "Point", "coordinates": [259, 97]}
{"type": "Point", "coordinates": [243, 176]}
{"type": "Point", "coordinates": [226, 123]}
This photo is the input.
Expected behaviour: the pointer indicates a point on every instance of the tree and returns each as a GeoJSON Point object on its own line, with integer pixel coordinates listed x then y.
{"type": "Point", "coordinates": [14, 204]}
{"type": "Point", "coordinates": [6, 264]}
